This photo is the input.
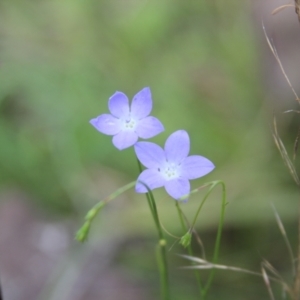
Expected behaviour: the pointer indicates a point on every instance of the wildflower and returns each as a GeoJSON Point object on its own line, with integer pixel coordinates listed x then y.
{"type": "Point", "coordinates": [128, 123]}
{"type": "Point", "coordinates": [171, 167]}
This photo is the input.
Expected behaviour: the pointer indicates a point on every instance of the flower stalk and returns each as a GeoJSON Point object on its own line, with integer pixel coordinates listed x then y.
{"type": "Point", "coordinates": [161, 252]}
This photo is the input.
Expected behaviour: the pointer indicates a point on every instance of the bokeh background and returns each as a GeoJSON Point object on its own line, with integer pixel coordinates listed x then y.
{"type": "Point", "coordinates": [210, 72]}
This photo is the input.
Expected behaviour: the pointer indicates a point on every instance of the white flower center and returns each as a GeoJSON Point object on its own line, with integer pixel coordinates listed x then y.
{"type": "Point", "coordinates": [129, 123]}
{"type": "Point", "coordinates": [170, 171]}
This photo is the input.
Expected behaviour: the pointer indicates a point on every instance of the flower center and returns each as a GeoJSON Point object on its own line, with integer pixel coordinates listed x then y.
{"type": "Point", "coordinates": [171, 171]}
{"type": "Point", "coordinates": [129, 123]}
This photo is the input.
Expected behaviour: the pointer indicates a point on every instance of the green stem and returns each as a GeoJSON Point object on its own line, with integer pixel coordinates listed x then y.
{"type": "Point", "coordinates": [190, 250]}
{"type": "Point", "coordinates": [83, 232]}
{"type": "Point", "coordinates": [219, 233]}
{"type": "Point", "coordinates": [161, 247]}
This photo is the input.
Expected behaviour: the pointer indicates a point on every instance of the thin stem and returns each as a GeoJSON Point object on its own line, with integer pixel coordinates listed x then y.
{"type": "Point", "coordinates": [220, 228]}
{"type": "Point", "coordinates": [147, 196]}
{"type": "Point", "coordinates": [286, 240]}
{"type": "Point", "coordinates": [190, 250]}
{"type": "Point", "coordinates": [219, 234]}
{"type": "Point", "coordinates": [161, 252]}
{"type": "Point", "coordinates": [83, 232]}
{"type": "Point", "coordinates": [212, 184]}
{"type": "Point", "coordinates": [297, 278]}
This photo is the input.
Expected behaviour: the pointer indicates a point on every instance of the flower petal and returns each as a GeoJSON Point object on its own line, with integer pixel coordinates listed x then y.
{"type": "Point", "coordinates": [125, 139]}
{"type": "Point", "coordinates": [141, 105]}
{"type": "Point", "coordinates": [151, 178]}
{"type": "Point", "coordinates": [118, 105]}
{"type": "Point", "coordinates": [196, 166]}
{"type": "Point", "coordinates": [150, 155]}
{"type": "Point", "coordinates": [177, 146]}
{"type": "Point", "coordinates": [178, 187]}
{"type": "Point", "coordinates": [149, 127]}
{"type": "Point", "coordinates": [106, 124]}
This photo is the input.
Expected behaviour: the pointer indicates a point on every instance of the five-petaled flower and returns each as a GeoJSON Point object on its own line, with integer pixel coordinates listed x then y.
{"type": "Point", "coordinates": [128, 123]}
{"type": "Point", "coordinates": [171, 167]}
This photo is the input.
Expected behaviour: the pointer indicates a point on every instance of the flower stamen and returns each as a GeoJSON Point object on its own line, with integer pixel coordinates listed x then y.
{"type": "Point", "coordinates": [171, 171]}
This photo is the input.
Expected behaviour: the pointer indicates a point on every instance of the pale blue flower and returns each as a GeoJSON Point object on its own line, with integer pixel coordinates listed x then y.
{"type": "Point", "coordinates": [128, 122]}
{"type": "Point", "coordinates": [170, 167]}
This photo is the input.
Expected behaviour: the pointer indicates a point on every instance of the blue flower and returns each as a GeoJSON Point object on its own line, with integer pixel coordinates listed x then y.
{"type": "Point", "coordinates": [128, 123]}
{"type": "Point", "coordinates": [170, 167]}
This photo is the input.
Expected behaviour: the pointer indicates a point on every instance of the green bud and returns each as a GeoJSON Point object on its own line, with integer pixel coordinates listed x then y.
{"type": "Point", "coordinates": [185, 240]}
{"type": "Point", "coordinates": [83, 232]}
{"type": "Point", "coordinates": [162, 243]}
{"type": "Point", "coordinates": [93, 212]}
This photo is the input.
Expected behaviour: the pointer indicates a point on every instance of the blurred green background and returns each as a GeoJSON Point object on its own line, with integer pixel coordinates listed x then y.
{"type": "Point", "coordinates": [206, 65]}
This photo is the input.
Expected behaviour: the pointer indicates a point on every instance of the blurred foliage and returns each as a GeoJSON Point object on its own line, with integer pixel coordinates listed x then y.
{"type": "Point", "coordinates": [60, 61]}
